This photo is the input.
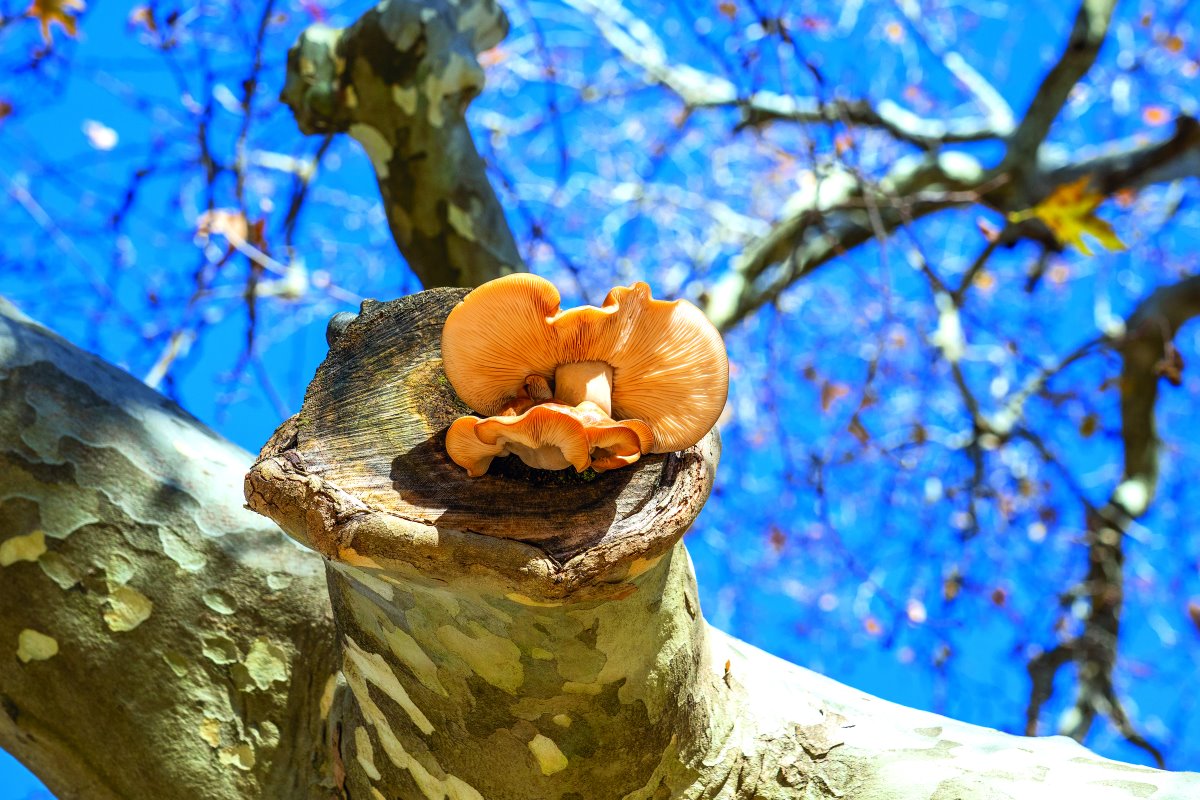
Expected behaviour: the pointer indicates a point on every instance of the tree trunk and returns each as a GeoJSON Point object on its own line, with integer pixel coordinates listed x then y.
{"type": "Point", "coordinates": [537, 634]}
{"type": "Point", "coordinates": [160, 641]}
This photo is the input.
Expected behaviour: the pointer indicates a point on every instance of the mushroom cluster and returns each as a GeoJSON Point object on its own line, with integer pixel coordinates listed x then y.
{"type": "Point", "coordinates": [586, 387]}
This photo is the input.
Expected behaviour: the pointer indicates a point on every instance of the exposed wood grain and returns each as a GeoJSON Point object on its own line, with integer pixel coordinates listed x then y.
{"type": "Point", "coordinates": [372, 430]}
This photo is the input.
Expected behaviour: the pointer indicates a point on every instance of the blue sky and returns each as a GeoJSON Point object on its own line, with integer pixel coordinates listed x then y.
{"type": "Point", "coordinates": [823, 550]}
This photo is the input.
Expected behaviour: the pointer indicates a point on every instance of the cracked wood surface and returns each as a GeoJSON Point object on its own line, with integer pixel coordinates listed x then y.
{"type": "Point", "coordinates": [373, 428]}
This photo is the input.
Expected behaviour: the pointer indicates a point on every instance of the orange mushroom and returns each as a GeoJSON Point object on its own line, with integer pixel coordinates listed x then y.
{"type": "Point", "coordinates": [548, 436]}
{"type": "Point", "coordinates": [633, 369]}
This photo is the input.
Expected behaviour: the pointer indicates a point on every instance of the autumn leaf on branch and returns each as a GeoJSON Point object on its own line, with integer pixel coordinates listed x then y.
{"type": "Point", "coordinates": [1070, 212]}
{"type": "Point", "coordinates": [56, 12]}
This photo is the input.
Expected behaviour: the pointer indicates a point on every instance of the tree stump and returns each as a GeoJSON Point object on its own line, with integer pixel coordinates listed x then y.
{"type": "Point", "coordinates": [362, 471]}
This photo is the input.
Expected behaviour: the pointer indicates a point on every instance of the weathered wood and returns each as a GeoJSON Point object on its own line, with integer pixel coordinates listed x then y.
{"type": "Point", "coordinates": [372, 431]}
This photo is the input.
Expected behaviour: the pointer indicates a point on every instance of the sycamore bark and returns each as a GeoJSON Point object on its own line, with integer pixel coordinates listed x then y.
{"type": "Point", "coordinates": [399, 81]}
{"type": "Point", "coordinates": [538, 635]}
{"type": "Point", "coordinates": [165, 643]}
{"type": "Point", "coordinates": [525, 635]}
{"type": "Point", "coordinates": [157, 640]}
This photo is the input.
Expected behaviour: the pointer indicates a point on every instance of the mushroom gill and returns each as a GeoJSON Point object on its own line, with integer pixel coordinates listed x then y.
{"type": "Point", "coordinates": [549, 436]}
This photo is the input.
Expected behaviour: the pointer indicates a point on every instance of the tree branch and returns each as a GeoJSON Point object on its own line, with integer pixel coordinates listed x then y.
{"type": "Point", "coordinates": [505, 641]}
{"type": "Point", "coordinates": [1134, 165]}
{"type": "Point", "coordinates": [399, 81]}
{"type": "Point", "coordinates": [641, 46]}
{"type": "Point", "coordinates": [829, 220]}
{"type": "Point", "coordinates": [158, 637]}
{"type": "Point", "coordinates": [1087, 35]}
{"type": "Point", "coordinates": [999, 113]}
{"type": "Point", "coordinates": [832, 217]}
{"type": "Point", "coordinates": [1145, 349]}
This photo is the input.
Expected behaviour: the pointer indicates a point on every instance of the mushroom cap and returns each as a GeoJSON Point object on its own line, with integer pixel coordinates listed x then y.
{"type": "Point", "coordinates": [669, 364]}
{"type": "Point", "coordinates": [553, 435]}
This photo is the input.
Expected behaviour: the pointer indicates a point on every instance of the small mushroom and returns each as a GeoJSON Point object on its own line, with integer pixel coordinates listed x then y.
{"type": "Point", "coordinates": [548, 436]}
{"type": "Point", "coordinates": [508, 346]}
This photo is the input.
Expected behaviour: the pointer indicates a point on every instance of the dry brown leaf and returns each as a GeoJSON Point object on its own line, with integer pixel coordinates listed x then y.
{"type": "Point", "coordinates": [55, 12]}
{"type": "Point", "coordinates": [831, 393]}
{"type": "Point", "coordinates": [227, 222]}
{"type": "Point", "coordinates": [1088, 425]}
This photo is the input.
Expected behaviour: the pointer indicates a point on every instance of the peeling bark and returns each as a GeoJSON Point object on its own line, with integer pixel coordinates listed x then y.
{"type": "Point", "coordinates": [399, 81]}
{"type": "Point", "coordinates": [157, 637]}
{"type": "Point", "coordinates": [538, 635]}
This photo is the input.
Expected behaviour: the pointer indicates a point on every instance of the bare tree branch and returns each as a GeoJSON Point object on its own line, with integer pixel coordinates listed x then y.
{"type": "Point", "coordinates": [640, 45]}
{"type": "Point", "coordinates": [1087, 35]}
{"type": "Point", "coordinates": [999, 113]}
{"type": "Point", "coordinates": [1146, 351]}
{"type": "Point", "coordinates": [831, 218]}
{"type": "Point", "coordinates": [829, 221]}
{"type": "Point", "coordinates": [1134, 165]}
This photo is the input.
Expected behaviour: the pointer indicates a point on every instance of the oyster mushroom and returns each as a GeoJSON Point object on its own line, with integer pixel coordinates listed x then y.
{"type": "Point", "coordinates": [548, 436]}
{"type": "Point", "coordinates": [508, 346]}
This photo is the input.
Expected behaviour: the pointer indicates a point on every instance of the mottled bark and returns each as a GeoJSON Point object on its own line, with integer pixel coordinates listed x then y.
{"type": "Point", "coordinates": [538, 635]}
{"type": "Point", "coordinates": [158, 640]}
{"type": "Point", "coordinates": [399, 81]}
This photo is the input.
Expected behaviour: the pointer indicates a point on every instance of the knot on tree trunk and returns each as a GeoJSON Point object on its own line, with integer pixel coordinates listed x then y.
{"type": "Point", "coordinates": [361, 475]}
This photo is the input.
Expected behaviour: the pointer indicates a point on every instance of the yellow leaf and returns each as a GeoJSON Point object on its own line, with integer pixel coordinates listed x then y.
{"type": "Point", "coordinates": [1070, 212]}
{"type": "Point", "coordinates": [55, 12]}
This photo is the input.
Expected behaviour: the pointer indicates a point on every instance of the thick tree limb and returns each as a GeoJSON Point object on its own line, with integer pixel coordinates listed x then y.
{"type": "Point", "coordinates": [226, 683]}
{"type": "Point", "coordinates": [517, 636]}
{"type": "Point", "coordinates": [399, 81]}
{"type": "Point", "coordinates": [157, 637]}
